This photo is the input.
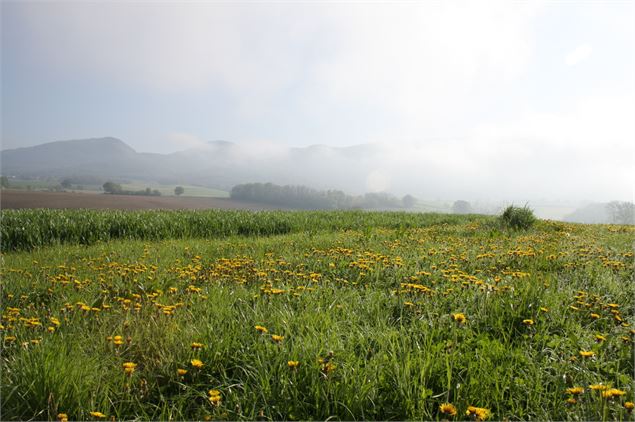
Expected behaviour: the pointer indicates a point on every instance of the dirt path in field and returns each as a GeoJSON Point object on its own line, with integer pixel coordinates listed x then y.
{"type": "Point", "coordinates": [17, 199]}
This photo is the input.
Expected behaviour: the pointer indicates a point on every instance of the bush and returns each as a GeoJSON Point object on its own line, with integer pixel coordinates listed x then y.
{"type": "Point", "coordinates": [517, 218]}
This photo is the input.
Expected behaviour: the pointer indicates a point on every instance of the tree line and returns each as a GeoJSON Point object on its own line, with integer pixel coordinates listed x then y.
{"type": "Point", "coordinates": [303, 197]}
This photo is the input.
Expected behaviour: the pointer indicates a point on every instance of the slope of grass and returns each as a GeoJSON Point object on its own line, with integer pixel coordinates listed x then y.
{"type": "Point", "coordinates": [370, 314]}
{"type": "Point", "coordinates": [168, 190]}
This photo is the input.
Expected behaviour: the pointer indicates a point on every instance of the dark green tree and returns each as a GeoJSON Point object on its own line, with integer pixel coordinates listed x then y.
{"type": "Point", "coordinates": [111, 187]}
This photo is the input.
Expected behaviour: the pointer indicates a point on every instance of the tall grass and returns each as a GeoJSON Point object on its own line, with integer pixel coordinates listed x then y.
{"type": "Point", "coordinates": [28, 229]}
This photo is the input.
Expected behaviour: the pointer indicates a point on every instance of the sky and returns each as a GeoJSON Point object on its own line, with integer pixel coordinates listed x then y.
{"type": "Point", "coordinates": [541, 91]}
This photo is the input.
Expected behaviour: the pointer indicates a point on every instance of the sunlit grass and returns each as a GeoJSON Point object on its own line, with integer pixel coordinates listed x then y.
{"type": "Point", "coordinates": [368, 316]}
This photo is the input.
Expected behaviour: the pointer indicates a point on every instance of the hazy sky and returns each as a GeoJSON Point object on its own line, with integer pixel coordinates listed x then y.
{"type": "Point", "coordinates": [546, 88]}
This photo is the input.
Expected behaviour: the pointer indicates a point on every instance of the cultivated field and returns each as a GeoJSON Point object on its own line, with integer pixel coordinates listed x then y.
{"type": "Point", "coordinates": [18, 199]}
{"type": "Point", "coordinates": [313, 315]}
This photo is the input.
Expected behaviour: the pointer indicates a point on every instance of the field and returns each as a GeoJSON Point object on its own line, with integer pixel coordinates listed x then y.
{"type": "Point", "coordinates": [313, 315]}
{"type": "Point", "coordinates": [18, 199]}
{"type": "Point", "coordinates": [168, 190]}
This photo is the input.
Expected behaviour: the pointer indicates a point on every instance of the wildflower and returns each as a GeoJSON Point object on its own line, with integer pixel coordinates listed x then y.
{"type": "Point", "coordinates": [612, 393]}
{"type": "Point", "coordinates": [276, 338]}
{"type": "Point", "coordinates": [261, 329]}
{"type": "Point", "coordinates": [448, 409]}
{"type": "Point", "coordinates": [478, 413]}
{"type": "Point", "coordinates": [600, 338]}
{"type": "Point", "coordinates": [214, 397]}
{"type": "Point", "coordinates": [571, 400]}
{"type": "Point", "coordinates": [197, 346]}
{"type": "Point", "coordinates": [528, 322]}
{"type": "Point", "coordinates": [575, 390]}
{"type": "Point", "coordinates": [543, 309]}
{"type": "Point", "coordinates": [598, 387]}
{"type": "Point", "coordinates": [97, 415]}
{"type": "Point", "coordinates": [129, 367]}
{"type": "Point", "coordinates": [293, 364]}
{"type": "Point", "coordinates": [197, 363]}
{"type": "Point", "coordinates": [629, 405]}
{"type": "Point", "coordinates": [595, 316]}
{"type": "Point", "coordinates": [117, 340]}
{"type": "Point", "coordinates": [327, 368]}
{"type": "Point", "coordinates": [181, 371]}
{"type": "Point", "coordinates": [586, 354]}
{"type": "Point", "coordinates": [62, 417]}
{"type": "Point", "coordinates": [459, 317]}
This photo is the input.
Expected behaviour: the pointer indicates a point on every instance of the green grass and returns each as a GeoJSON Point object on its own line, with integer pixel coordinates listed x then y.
{"type": "Point", "coordinates": [28, 229]}
{"type": "Point", "coordinates": [372, 292]}
{"type": "Point", "coordinates": [168, 190]}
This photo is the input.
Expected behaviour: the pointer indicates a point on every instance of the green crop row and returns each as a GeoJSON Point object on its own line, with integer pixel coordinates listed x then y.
{"type": "Point", "coordinates": [29, 229]}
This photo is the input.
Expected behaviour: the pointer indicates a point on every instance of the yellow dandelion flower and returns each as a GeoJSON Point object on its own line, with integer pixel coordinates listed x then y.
{"type": "Point", "coordinates": [598, 387]}
{"type": "Point", "coordinates": [600, 338]}
{"type": "Point", "coordinates": [276, 338]}
{"type": "Point", "coordinates": [197, 363]}
{"type": "Point", "coordinates": [327, 368]}
{"type": "Point", "coordinates": [586, 354]}
{"type": "Point", "coordinates": [197, 346]}
{"type": "Point", "coordinates": [595, 316]}
{"type": "Point", "coordinates": [448, 409]}
{"type": "Point", "coordinates": [571, 400]}
{"type": "Point", "coordinates": [261, 329]}
{"type": "Point", "coordinates": [129, 367]}
{"type": "Point", "coordinates": [459, 317]}
{"type": "Point", "coordinates": [543, 309]}
{"type": "Point", "coordinates": [181, 371]}
{"type": "Point", "coordinates": [97, 415]}
{"type": "Point", "coordinates": [62, 417]}
{"type": "Point", "coordinates": [528, 321]}
{"type": "Point", "coordinates": [214, 397]}
{"type": "Point", "coordinates": [612, 392]}
{"type": "Point", "coordinates": [575, 390]}
{"type": "Point", "coordinates": [629, 405]}
{"type": "Point", "coordinates": [478, 413]}
{"type": "Point", "coordinates": [293, 364]}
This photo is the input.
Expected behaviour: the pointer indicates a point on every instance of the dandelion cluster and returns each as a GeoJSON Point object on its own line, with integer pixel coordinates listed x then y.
{"type": "Point", "coordinates": [422, 320]}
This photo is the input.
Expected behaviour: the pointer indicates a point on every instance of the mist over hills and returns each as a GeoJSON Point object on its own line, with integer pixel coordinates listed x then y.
{"type": "Point", "coordinates": [356, 170]}
{"type": "Point", "coordinates": [218, 164]}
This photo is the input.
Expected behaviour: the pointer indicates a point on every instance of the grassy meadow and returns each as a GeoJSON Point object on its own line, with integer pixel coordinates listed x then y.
{"type": "Point", "coordinates": [313, 316]}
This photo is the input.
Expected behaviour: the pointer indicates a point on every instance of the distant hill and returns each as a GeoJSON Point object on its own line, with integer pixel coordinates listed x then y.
{"type": "Point", "coordinates": [219, 164]}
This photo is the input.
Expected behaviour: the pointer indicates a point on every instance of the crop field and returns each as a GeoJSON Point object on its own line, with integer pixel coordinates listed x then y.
{"type": "Point", "coordinates": [22, 199]}
{"type": "Point", "coordinates": [237, 315]}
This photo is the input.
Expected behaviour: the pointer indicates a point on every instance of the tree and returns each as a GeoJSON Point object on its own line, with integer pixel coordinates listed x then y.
{"type": "Point", "coordinates": [4, 182]}
{"type": "Point", "coordinates": [409, 201]}
{"type": "Point", "coordinates": [66, 183]}
{"type": "Point", "coordinates": [621, 212]}
{"type": "Point", "coordinates": [178, 191]}
{"type": "Point", "coordinates": [461, 207]}
{"type": "Point", "coordinates": [111, 187]}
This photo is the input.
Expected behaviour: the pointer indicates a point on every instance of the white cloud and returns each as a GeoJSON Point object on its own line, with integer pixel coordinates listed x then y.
{"type": "Point", "coordinates": [580, 54]}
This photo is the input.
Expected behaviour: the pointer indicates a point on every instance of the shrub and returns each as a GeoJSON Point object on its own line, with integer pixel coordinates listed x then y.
{"type": "Point", "coordinates": [517, 218]}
